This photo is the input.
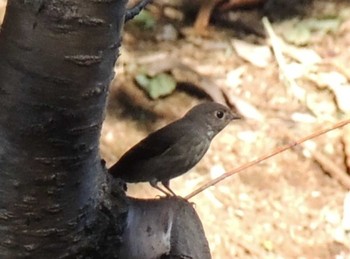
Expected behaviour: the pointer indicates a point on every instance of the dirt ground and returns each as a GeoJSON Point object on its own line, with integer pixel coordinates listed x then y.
{"type": "Point", "coordinates": [290, 206]}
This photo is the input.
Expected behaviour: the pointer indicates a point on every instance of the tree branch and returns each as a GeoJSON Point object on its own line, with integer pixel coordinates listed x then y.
{"type": "Point", "coordinates": [132, 12]}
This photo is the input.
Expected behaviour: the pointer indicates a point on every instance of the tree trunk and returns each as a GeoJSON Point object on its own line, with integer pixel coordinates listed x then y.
{"type": "Point", "coordinates": [57, 59]}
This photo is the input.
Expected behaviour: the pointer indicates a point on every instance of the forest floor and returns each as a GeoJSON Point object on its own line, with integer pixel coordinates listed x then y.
{"type": "Point", "coordinates": [292, 205]}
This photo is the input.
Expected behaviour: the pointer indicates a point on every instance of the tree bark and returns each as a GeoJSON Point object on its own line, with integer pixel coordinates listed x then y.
{"type": "Point", "coordinates": [57, 59]}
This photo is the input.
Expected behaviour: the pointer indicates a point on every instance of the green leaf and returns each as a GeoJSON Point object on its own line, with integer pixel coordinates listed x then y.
{"type": "Point", "coordinates": [323, 25]}
{"type": "Point", "coordinates": [300, 32]}
{"type": "Point", "coordinates": [142, 80]}
{"type": "Point", "coordinates": [161, 85]}
{"type": "Point", "coordinates": [158, 86]}
{"type": "Point", "coordinates": [145, 19]}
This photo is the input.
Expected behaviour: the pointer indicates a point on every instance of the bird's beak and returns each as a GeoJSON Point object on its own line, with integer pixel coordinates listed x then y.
{"type": "Point", "coordinates": [235, 116]}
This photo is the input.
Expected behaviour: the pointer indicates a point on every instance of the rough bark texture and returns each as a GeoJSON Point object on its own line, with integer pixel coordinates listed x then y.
{"type": "Point", "coordinates": [57, 58]}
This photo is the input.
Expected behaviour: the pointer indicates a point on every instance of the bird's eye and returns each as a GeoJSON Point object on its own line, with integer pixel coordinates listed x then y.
{"type": "Point", "coordinates": [219, 114]}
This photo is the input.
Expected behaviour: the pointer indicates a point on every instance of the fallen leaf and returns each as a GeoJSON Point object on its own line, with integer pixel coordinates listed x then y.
{"type": "Point", "coordinates": [304, 56]}
{"type": "Point", "coordinates": [299, 35]}
{"type": "Point", "coordinates": [246, 109]}
{"type": "Point", "coordinates": [327, 79]}
{"type": "Point", "coordinates": [142, 80]}
{"type": "Point", "coordinates": [303, 117]}
{"type": "Point", "coordinates": [234, 77]}
{"type": "Point", "coordinates": [322, 25]}
{"type": "Point", "coordinates": [342, 95]}
{"type": "Point", "coordinates": [298, 32]}
{"type": "Point", "coordinates": [336, 82]}
{"type": "Point", "coordinates": [295, 70]}
{"type": "Point", "coordinates": [258, 55]}
{"type": "Point", "coordinates": [321, 104]}
{"type": "Point", "coordinates": [216, 171]}
{"type": "Point", "coordinates": [158, 86]}
{"type": "Point", "coordinates": [145, 19]}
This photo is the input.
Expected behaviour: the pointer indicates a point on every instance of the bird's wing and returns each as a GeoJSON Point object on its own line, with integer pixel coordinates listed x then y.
{"type": "Point", "coordinates": [152, 146]}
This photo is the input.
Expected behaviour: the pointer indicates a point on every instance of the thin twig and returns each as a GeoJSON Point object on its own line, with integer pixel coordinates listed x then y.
{"type": "Point", "coordinates": [132, 12]}
{"type": "Point", "coordinates": [325, 162]}
{"type": "Point", "coordinates": [264, 157]}
{"type": "Point", "coordinates": [332, 168]}
{"type": "Point", "coordinates": [277, 47]}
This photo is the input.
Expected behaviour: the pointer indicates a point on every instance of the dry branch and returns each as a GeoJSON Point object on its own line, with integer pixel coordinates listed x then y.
{"type": "Point", "coordinates": [264, 157]}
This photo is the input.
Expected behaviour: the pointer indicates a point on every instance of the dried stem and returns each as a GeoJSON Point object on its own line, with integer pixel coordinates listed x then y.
{"type": "Point", "coordinates": [264, 157]}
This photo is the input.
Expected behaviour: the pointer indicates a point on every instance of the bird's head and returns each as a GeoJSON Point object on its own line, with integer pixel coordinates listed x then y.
{"type": "Point", "coordinates": [213, 116]}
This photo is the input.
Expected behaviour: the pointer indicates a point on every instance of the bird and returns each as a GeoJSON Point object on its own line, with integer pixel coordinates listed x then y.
{"type": "Point", "coordinates": [174, 149]}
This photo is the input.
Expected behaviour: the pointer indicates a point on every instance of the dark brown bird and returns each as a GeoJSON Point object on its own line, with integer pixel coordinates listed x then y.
{"type": "Point", "coordinates": [174, 149]}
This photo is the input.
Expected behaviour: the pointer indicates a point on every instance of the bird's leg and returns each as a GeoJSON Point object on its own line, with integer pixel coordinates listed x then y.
{"type": "Point", "coordinates": [166, 185]}
{"type": "Point", "coordinates": [153, 183]}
